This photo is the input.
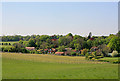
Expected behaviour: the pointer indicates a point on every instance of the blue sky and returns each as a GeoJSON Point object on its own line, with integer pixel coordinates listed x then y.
{"type": "Point", "coordinates": [27, 18]}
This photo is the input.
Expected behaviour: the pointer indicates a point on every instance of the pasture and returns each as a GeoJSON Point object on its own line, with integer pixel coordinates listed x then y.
{"type": "Point", "coordinates": [39, 66]}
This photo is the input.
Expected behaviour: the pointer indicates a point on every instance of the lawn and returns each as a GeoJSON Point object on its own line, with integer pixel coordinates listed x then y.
{"type": "Point", "coordinates": [110, 59]}
{"type": "Point", "coordinates": [35, 66]}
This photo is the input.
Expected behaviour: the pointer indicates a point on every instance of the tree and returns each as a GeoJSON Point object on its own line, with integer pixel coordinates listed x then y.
{"type": "Point", "coordinates": [84, 51]}
{"type": "Point", "coordinates": [89, 43]}
{"type": "Point", "coordinates": [18, 47]}
{"type": "Point", "coordinates": [77, 46]}
{"type": "Point", "coordinates": [31, 43]}
{"type": "Point", "coordinates": [90, 35]}
{"type": "Point", "coordinates": [44, 45]}
{"type": "Point", "coordinates": [69, 34]}
{"type": "Point", "coordinates": [104, 49]}
{"type": "Point", "coordinates": [61, 48]}
{"type": "Point", "coordinates": [114, 44]}
{"type": "Point", "coordinates": [64, 40]}
{"type": "Point", "coordinates": [44, 38]}
{"type": "Point", "coordinates": [78, 43]}
{"type": "Point", "coordinates": [118, 34]}
{"type": "Point", "coordinates": [21, 42]}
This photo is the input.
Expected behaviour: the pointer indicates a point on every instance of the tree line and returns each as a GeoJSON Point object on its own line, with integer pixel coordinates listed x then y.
{"type": "Point", "coordinates": [77, 42]}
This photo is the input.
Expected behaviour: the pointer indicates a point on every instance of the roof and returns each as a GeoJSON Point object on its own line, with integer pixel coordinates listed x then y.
{"type": "Point", "coordinates": [95, 47]}
{"type": "Point", "coordinates": [59, 52]}
{"type": "Point", "coordinates": [53, 49]}
{"type": "Point", "coordinates": [45, 49]}
{"type": "Point", "coordinates": [74, 50]}
{"type": "Point", "coordinates": [68, 48]}
{"type": "Point", "coordinates": [30, 48]}
{"type": "Point", "coordinates": [53, 39]}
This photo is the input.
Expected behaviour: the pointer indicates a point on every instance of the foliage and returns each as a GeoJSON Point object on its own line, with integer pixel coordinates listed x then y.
{"type": "Point", "coordinates": [105, 44]}
{"type": "Point", "coordinates": [73, 53]}
{"type": "Point", "coordinates": [84, 51]}
{"type": "Point", "coordinates": [90, 35]}
{"type": "Point", "coordinates": [103, 49]}
{"type": "Point", "coordinates": [61, 48]}
{"type": "Point", "coordinates": [114, 43]}
{"type": "Point", "coordinates": [31, 43]}
{"type": "Point", "coordinates": [69, 34]}
{"type": "Point", "coordinates": [114, 54]}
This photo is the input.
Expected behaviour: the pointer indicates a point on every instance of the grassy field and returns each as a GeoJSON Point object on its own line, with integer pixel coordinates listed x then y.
{"type": "Point", "coordinates": [35, 66]}
{"type": "Point", "coordinates": [111, 59]}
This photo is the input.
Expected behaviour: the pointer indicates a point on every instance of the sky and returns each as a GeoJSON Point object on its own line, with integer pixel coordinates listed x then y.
{"type": "Point", "coordinates": [49, 18]}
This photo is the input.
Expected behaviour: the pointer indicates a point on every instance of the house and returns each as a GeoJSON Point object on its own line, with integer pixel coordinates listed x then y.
{"type": "Point", "coordinates": [59, 53]}
{"type": "Point", "coordinates": [30, 48]}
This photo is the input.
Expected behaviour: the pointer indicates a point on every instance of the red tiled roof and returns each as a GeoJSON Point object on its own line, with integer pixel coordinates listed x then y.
{"type": "Point", "coordinates": [59, 52]}
{"type": "Point", "coordinates": [45, 49]}
{"type": "Point", "coordinates": [74, 50]}
{"type": "Point", "coordinates": [53, 39]}
{"type": "Point", "coordinates": [68, 48]}
{"type": "Point", "coordinates": [30, 48]}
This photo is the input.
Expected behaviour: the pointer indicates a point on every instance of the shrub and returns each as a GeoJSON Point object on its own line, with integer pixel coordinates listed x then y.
{"type": "Point", "coordinates": [90, 57]}
{"type": "Point", "coordinates": [87, 55]}
{"type": "Point", "coordinates": [81, 55]}
{"type": "Point", "coordinates": [114, 54]}
{"type": "Point", "coordinates": [93, 58]}
{"type": "Point", "coordinates": [84, 51]}
{"type": "Point", "coordinates": [103, 60]}
{"type": "Point", "coordinates": [100, 56]}
{"type": "Point", "coordinates": [73, 53]}
{"type": "Point", "coordinates": [96, 57]}
{"type": "Point", "coordinates": [116, 62]}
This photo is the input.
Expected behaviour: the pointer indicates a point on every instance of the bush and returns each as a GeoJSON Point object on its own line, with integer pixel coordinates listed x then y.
{"type": "Point", "coordinates": [81, 55]}
{"type": "Point", "coordinates": [93, 58]}
{"type": "Point", "coordinates": [90, 57]}
{"type": "Point", "coordinates": [84, 51]}
{"type": "Point", "coordinates": [114, 54]}
{"type": "Point", "coordinates": [98, 57]}
{"type": "Point", "coordinates": [86, 55]}
{"type": "Point", "coordinates": [73, 53]}
{"type": "Point", "coordinates": [116, 62]}
{"type": "Point", "coordinates": [103, 60]}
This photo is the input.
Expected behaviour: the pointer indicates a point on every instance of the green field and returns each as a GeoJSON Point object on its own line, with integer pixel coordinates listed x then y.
{"type": "Point", "coordinates": [36, 66]}
{"type": "Point", "coordinates": [110, 59]}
